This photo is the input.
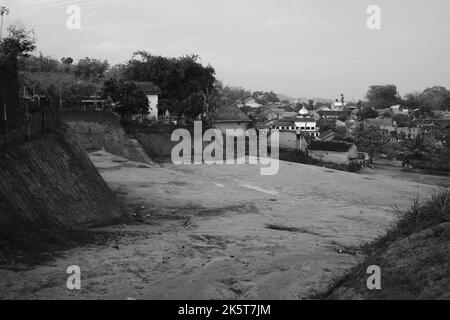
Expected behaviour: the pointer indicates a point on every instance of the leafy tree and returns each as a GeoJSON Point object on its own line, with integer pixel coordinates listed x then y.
{"type": "Point", "coordinates": [359, 105]}
{"type": "Point", "coordinates": [383, 96]}
{"type": "Point", "coordinates": [53, 85]}
{"type": "Point", "coordinates": [434, 98]}
{"type": "Point", "coordinates": [18, 43]}
{"type": "Point", "coordinates": [230, 95]}
{"type": "Point", "coordinates": [367, 113]}
{"type": "Point", "coordinates": [178, 78]}
{"type": "Point", "coordinates": [87, 68]}
{"type": "Point", "coordinates": [130, 99]}
{"type": "Point", "coordinates": [371, 140]}
{"type": "Point", "coordinates": [192, 106]}
{"type": "Point", "coordinates": [419, 148]}
{"type": "Point", "coordinates": [266, 97]}
{"type": "Point", "coordinates": [401, 120]}
{"type": "Point", "coordinates": [341, 133]}
{"type": "Point", "coordinates": [39, 63]}
{"type": "Point", "coordinates": [67, 60]}
{"type": "Point", "coordinates": [345, 115]}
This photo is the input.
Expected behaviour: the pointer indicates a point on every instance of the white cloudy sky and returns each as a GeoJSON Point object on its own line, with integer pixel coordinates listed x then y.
{"type": "Point", "coordinates": [310, 48]}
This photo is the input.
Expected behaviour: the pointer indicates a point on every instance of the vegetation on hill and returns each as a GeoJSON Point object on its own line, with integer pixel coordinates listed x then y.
{"type": "Point", "coordinates": [414, 256]}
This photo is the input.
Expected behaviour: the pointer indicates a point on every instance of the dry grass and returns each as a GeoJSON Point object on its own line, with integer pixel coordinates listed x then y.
{"type": "Point", "coordinates": [419, 217]}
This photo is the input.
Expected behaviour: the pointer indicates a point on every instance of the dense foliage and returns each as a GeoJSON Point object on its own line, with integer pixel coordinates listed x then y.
{"type": "Point", "coordinates": [383, 96]}
{"type": "Point", "coordinates": [181, 80]}
{"type": "Point", "coordinates": [128, 97]}
{"type": "Point", "coordinates": [19, 42]}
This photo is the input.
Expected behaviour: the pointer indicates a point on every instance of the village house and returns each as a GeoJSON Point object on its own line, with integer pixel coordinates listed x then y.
{"type": "Point", "coordinates": [397, 109]}
{"type": "Point", "coordinates": [267, 115]}
{"type": "Point", "coordinates": [392, 129]}
{"type": "Point", "coordinates": [387, 123]}
{"type": "Point", "coordinates": [152, 92]}
{"type": "Point", "coordinates": [291, 140]}
{"type": "Point", "coordinates": [327, 135]}
{"type": "Point", "coordinates": [338, 106]}
{"type": "Point", "coordinates": [230, 117]}
{"type": "Point", "coordinates": [92, 103]}
{"type": "Point", "coordinates": [445, 115]}
{"type": "Point", "coordinates": [333, 151]}
{"type": "Point", "coordinates": [282, 110]}
{"type": "Point", "coordinates": [251, 103]}
{"type": "Point", "coordinates": [327, 113]}
{"type": "Point", "coordinates": [302, 123]}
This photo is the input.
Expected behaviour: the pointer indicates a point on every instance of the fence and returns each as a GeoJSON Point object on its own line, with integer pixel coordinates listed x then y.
{"type": "Point", "coordinates": [32, 124]}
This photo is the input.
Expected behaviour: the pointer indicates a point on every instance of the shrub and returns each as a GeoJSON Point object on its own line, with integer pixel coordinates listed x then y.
{"type": "Point", "coordinates": [419, 217]}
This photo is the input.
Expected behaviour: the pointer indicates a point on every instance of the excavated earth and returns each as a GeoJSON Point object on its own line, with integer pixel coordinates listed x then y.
{"type": "Point", "coordinates": [224, 232]}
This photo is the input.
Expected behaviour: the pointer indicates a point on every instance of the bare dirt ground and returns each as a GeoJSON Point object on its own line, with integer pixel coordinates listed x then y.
{"type": "Point", "coordinates": [224, 232]}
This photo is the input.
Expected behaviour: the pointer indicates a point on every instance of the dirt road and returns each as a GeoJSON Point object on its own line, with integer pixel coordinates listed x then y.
{"type": "Point", "coordinates": [224, 232]}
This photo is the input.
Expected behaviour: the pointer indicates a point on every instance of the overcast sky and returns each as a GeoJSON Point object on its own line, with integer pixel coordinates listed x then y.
{"type": "Point", "coordinates": [302, 48]}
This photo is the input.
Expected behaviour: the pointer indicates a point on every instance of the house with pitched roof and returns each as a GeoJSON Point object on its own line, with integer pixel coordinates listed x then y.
{"type": "Point", "coordinates": [230, 117]}
{"type": "Point", "coordinates": [152, 92]}
{"type": "Point", "coordinates": [333, 151]}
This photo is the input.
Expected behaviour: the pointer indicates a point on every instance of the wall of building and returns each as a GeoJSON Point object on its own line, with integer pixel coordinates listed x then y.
{"type": "Point", "coordinates": [330, 156]}
{"type": "Point", "coordinates": [223, 126]}
{"type": "Point", "coordinates": [290, 140]}
{"type": "Point", "coordinates": [153, 106]}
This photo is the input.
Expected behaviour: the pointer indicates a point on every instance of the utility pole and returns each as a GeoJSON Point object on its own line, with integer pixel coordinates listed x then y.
{"type": "Point", "coordinates": [3, 11]}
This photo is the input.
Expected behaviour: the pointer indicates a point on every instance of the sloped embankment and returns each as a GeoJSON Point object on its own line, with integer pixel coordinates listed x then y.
{"type": "Point", "coordinates": [96, 130]}
{"type": "Point", "coordinates": [414, 257]}
{"type": "Point", "coordinates": [50, 183]}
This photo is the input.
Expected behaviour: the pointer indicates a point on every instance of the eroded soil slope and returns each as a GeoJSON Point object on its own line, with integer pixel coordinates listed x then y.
{"type": "Point", "coordinates": [218, 232]}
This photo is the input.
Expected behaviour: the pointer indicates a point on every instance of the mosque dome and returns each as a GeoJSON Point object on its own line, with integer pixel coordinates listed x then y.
{"type": "Point", "coordinates": [303, 112]}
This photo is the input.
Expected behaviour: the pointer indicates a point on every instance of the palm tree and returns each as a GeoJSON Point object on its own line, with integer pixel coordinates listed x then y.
{"type": "Point", "coordinates": [3, 11]}
{"type": "Point", "coordinates": [211, 101]}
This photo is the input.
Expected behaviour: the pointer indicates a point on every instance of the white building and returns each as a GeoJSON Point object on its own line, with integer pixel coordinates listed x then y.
{"type": "Point", "coordinates": [338, 106]}
{"type": "Point", "coordinates": [152, 106]}
{"type": "Point", "coordinates": [251, 103]}
{"type": "Point", "coordinates": [302, 123]}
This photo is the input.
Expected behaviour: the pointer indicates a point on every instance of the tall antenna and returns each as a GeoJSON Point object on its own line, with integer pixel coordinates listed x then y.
{"type": "Point", "coordinates": [3, 11]}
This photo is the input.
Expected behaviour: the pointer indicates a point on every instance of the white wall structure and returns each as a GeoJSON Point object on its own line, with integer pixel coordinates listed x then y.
{"type": "Point", "coordinates": [152, 106]}
{"type": "Point", "coordinates": [334, 156]}
{"type": "Point", "coordinates": [302, 123]}
{"type": "Point", "coordinates": [223, 126]}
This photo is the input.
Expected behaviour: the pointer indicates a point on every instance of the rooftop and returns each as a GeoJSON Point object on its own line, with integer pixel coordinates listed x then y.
{"type": "Point", "coordinates": [336, 146]}
{"type": "Point", "coordinates": [229, 113]}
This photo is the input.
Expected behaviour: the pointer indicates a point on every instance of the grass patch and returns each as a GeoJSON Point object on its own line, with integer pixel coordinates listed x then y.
{"type": "Point", "coordinates": [434, 215]}
{"type": "Point", "coordinates": [419, 217]}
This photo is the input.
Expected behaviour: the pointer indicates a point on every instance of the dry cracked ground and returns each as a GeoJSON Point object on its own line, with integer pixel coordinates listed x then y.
{"type": "Point", "coordinates": [225, 232]}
